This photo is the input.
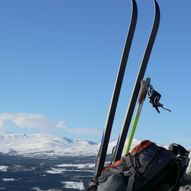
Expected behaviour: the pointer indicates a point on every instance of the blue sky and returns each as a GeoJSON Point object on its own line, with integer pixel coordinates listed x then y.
{"type": "Point", "coordinates": [59, 61]}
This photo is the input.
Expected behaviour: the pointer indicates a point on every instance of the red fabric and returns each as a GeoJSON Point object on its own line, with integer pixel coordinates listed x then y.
{"type": "Point", "coordinates": [115, 164]}
{"type": "Point", "coordinates": [141, 146]}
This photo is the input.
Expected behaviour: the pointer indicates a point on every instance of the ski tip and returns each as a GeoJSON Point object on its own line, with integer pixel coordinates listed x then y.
{"type": "Point", "coordinates": [157, 14]}
{"type": "Point", "coordinates": [157, 6]}
{"type": "Point", "coordinates": [134, 5]}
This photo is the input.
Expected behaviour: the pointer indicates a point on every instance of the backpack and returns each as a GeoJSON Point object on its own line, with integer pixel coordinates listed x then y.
{"type": "Point", "coordinates": [147, 167]}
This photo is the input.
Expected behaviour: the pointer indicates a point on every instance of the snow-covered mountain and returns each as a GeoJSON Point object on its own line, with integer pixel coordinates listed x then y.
{"type": "Point", "coordinates": [40, 144]}
{"type": "Point", "coordinates": [46, 145]}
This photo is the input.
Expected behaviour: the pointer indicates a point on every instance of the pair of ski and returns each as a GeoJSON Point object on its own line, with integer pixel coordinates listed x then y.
{"type": "Point", "coordinates": [111, 114]}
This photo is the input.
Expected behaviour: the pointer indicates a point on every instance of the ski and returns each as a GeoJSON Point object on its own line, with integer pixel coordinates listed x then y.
{"type": "Point", "coordinates": [113, 105]}
{"type": "Point", "coordinates": [122, 137]}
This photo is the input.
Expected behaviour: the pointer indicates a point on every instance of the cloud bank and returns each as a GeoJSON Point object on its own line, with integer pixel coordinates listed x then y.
{"type": "Point", "coordinates": [39, 121]}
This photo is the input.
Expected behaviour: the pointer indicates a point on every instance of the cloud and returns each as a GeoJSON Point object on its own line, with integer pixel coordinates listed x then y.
{"type": "Point", "coordinates": [25, 120]}
{"type": "Point", "coordinates": [84, 131]}
{"type": "Point", "coordinates": [39, 121]}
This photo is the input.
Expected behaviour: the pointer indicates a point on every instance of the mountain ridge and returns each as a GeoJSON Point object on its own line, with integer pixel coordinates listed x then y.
{"type": "Point", "coordinates": [36, 145]}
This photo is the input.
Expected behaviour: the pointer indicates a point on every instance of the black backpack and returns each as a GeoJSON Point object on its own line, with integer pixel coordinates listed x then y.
{"type": "Point", "coordinates": [148, 167]}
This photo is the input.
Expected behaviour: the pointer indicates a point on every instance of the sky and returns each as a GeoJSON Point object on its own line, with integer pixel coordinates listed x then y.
{"type": "Point", "coordinates": [59, 61]}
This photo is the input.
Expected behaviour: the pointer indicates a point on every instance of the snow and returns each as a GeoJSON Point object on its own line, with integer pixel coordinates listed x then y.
{"type": "Point", "coordinates": [3, 168]}
{"type": "Point", "coordinates": [59, 169]}
{"type": "Point", "coordinates": [38, 189]}
{"type": "Point", "coordinates": [113, 143]}
{"type": "Point", "coordinates": [80, 166]}
{"type": "Point", "coordinates": [74, 185]}
{"type": "Point", "coordinates": [8, 179]}
{"type": "Point", "coordinates": [55, 170]}
{"type": "Point", "coordinates": [62, 170]}
{"type": "Point", "coordinates": [40, 145]}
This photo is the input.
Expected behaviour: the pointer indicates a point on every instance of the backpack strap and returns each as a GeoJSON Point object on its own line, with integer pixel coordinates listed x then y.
{"type": "Point", "coordinates": [131, 164]}
{"type": "Point", "coordinates": [133, 172]}
{"type": "Point", "coordinates": [130, 183]}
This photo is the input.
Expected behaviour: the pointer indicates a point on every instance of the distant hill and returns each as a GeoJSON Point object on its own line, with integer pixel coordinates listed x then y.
{"type": "Point", "coordinates": [37, 145]}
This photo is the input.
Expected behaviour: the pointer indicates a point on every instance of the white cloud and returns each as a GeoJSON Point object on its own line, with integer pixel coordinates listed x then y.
{"type": "Point", "coordinates": [39, 121]}
{"type": "Point", "coordinates": [25, 120]}
{"type": "Point", "coordinates": [84, 131]}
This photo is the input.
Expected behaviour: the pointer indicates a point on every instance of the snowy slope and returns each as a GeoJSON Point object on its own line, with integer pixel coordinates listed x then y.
{"type": "Point", "coordinates": [40, 145]}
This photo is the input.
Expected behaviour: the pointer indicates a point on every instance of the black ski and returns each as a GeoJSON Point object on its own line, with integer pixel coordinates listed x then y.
{"type": "Point", "coordinates": [131, 107]}
{"type": "Point", "coordinates": [108, 127]}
